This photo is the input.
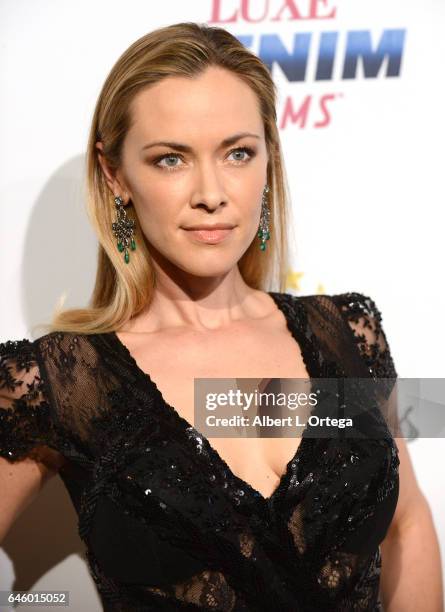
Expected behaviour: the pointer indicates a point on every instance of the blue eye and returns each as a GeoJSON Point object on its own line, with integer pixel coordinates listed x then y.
{"type": "Point", "coordinates": [168, 156]}
{"type": "Point", "coordinates": [247, 150]}
{"type": "Point", "coordinates": [175, 156]}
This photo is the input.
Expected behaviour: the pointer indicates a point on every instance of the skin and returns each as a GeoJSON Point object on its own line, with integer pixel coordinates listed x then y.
{"type": "Point", "coordinates": [411, 577]}
{"type": "Point", "coordinates": [200, 292]}
{"type": "Point", "coordinates": [200, 289]}
{"type": "Point", "coordinates": [199, 286]}
{"type": "Point", "coordinates": [210, 184]}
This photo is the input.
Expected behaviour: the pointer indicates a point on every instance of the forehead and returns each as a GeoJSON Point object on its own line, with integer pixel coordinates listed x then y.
{"type": "Point", "coordinates": [215, 102]}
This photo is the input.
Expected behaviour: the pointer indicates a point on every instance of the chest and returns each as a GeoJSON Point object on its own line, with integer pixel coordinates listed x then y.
{"type": "Point", "coordinates": [257, 352]}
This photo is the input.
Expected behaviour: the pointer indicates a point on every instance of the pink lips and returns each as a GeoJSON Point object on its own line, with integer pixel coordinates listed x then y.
{"type": "Point", "coordinates": [209, 236]}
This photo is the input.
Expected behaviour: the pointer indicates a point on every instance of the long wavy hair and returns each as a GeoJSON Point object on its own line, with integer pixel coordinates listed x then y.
{"type": "Point", "coordinates": [122, 290]}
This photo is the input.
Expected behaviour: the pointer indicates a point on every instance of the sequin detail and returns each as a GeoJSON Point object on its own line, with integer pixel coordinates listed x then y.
{"type": "Point", "coordinates": [166, 524]}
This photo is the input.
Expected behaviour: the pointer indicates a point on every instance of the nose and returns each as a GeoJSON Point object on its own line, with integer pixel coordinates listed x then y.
{"type": "Point", "coordinates": [208, 190]}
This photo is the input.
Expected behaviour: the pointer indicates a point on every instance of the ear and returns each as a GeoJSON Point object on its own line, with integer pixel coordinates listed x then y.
{"type": "Point", "coordinates": [112, 181]}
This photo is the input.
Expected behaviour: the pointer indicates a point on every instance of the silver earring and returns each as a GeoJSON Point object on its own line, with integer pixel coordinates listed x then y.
{"type": "Point", "coordinates": [123, 229]}
{"type": "Point", "coordinates": [264, 230]}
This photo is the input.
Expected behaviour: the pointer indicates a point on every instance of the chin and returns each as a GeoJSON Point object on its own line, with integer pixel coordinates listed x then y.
{"type": "Point", "coordinates": [208, 265]}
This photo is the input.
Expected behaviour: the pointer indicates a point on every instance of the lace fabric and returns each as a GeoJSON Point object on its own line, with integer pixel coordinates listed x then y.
{"type": "Point", "coordinates": [166, 523]}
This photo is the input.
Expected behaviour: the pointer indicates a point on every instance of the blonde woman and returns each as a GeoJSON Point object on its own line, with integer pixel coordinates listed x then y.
{"type": "Point", "coordinates": [187, 195]}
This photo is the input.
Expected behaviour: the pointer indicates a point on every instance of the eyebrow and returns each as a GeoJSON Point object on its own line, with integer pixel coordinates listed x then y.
{"type": "Point", "coordinates": [187, 149]}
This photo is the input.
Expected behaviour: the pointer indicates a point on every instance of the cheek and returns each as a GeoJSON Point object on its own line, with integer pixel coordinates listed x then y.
{"type": "Point", "coordinates": [160, 210]}
{"type": "Point", "coordinates": [154, 205]}
{"type": "Point", "coordinates": [252, 209]}
{"type": "Point", "coordinates": [158, 219]}
{"type": "Point", "coordinates": [155, 221]}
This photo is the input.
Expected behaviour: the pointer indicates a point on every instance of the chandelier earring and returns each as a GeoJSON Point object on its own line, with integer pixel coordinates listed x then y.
{"type": "Point", "coordinates": [123, 229]}
{"type": "Point", "coordinates": [264, 229]}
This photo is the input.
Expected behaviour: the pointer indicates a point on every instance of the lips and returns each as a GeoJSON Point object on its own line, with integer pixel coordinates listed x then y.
{"type": "Point", "coordinates": [215, 226]}
{"type": "Point", "coordinates": [210, 236]}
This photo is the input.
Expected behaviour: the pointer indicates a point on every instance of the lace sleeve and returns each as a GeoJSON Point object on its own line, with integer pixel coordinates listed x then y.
{"type": "Point", "coordinates": [26, 425]}
{"type": "Point", "coordinates": [365, 321]}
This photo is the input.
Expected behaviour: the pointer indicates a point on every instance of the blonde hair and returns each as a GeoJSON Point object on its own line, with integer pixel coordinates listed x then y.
{"type": "Point", "coordinates": [122, 290]}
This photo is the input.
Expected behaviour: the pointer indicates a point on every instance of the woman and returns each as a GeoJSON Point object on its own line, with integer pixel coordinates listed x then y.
{"type": "Point", "coordinates": [184, 138]}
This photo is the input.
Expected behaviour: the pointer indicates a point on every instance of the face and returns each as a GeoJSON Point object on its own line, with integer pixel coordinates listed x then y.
{"type": "Point", "coordinates": [200, 179]}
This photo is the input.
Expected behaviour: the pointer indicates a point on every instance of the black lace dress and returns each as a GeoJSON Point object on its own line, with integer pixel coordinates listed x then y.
{"type": "Point", "coordinates": [166, 523]}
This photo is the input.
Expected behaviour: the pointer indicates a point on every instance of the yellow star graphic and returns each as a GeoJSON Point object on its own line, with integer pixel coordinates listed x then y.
{"type": "Point", "coordinates": [293, 279]}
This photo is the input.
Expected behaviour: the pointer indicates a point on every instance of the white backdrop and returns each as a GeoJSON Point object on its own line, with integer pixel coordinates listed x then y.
{"type": "Point", "coordinates": [364, 159]}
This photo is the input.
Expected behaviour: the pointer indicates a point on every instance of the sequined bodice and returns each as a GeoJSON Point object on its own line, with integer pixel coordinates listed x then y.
{"type": "Point", "coordinates": [166, 523]}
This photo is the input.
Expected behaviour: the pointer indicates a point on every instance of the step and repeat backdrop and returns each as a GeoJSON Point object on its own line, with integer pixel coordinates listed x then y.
{"type": "Point", "coordinates": [360, 112]}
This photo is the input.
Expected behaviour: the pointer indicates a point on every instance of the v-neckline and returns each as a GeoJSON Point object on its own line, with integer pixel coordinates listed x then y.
{"type": "Point", "coordinates": [295, 304]}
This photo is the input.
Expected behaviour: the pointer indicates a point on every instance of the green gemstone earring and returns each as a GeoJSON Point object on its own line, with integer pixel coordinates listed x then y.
{"type": "Point", "coordinates": [123, 229]}
{"type": "Point", "coordinates": [263, 232]}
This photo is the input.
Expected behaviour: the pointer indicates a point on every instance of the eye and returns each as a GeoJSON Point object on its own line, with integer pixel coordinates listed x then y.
{"type": "Point", "coordinates": [168, 157]}
{"type": "Point", "coordinates": [172, 157]}
{"type": "Point", "coordinates": [250, 152]}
